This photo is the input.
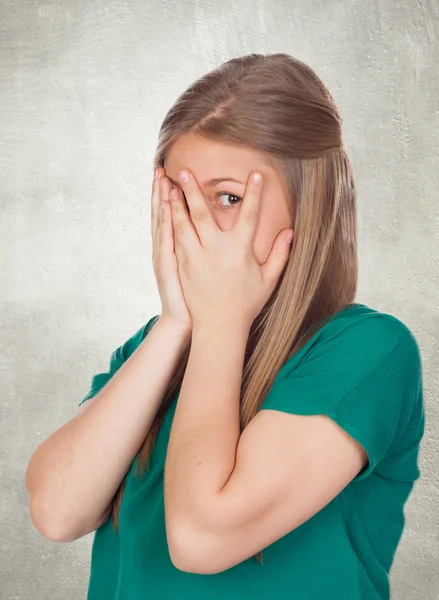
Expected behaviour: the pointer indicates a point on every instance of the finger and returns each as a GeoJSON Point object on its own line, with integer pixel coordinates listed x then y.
{"type": "Point", "coordinates": [249, 213]}
{"type": "Point", "coordinates": [164, 187]}
{"type": "Point", "coordinates": [277, 259]}
{"type": "Point", "coordinates": [155, 213]}
{"type": "Point", "coordinates": [185, 234]}
{"type": "Point", "coordinates": [166, 232]}
{"type": "Point", "coordinates": [202, 220]}
{"type": "Point", "coordinates": [156, 199]}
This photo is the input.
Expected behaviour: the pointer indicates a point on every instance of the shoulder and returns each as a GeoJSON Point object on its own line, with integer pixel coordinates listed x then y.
{"type": "Point", "coordinates": [363, 370]}
{"type": "Point", "coordinates": [363, 333]}
{"type": "Point", "coordinates": [360, 352]}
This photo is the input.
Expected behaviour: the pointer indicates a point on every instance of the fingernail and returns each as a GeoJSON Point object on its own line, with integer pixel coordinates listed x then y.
{"type": "Point", "coordinates": [289, 237]}
{"type": "Point", "coordinates": [257, 177]}
{"type": "Point", "coordinates": [183, 176]}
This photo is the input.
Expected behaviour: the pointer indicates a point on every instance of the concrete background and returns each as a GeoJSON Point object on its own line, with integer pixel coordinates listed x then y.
{"type": "Point", "coordinates": [84, 87]}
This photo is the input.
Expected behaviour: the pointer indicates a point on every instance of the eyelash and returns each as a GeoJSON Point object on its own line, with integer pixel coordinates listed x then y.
{"type": "Point", "coordinates": [228, 194]}
{"type": "Point", "coordinates": [223, 194]}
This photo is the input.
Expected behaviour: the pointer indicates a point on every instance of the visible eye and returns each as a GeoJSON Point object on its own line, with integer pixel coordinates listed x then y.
{"type": "Point", "coordinates": [239, 199]}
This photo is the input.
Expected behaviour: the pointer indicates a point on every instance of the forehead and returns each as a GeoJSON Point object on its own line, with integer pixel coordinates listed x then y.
{"type": "Point", "coordinates": [209, 157]}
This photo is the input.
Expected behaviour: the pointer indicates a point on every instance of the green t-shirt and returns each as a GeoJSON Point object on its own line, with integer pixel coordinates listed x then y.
{"type": "Point", "coordinates": [362, 368]}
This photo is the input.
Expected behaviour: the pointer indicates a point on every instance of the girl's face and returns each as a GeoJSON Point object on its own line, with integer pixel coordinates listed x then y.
{"type": "Point", "coordinates": [208, 159]}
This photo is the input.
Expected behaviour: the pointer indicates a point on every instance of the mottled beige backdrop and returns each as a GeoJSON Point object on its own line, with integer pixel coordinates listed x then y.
{"type": "Point", "coordinates": [83, 89]}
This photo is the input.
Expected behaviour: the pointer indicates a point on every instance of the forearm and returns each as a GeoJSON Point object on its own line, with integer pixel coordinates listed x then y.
{"type": "Point", "coordinates": [73, 475]}
{"type": "Point", "coordinates": [206, 429]}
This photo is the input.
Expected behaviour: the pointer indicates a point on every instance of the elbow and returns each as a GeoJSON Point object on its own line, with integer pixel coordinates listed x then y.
{"type": "Point", "coordinates": [46, 510]}
{"type": "Point", "coordinates": [47, 525]}
{"type": "Point", "coordinates": [41, 516]}
{"type": "Point", "coordinates": [191, 551]}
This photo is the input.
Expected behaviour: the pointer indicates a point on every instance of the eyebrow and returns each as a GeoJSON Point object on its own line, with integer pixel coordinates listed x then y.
{"type": "Point", "coordinates": [209, 182]}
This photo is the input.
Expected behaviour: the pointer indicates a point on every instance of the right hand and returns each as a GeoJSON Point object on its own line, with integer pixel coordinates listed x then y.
{"type": "Point", "coordinates": [174, 308]}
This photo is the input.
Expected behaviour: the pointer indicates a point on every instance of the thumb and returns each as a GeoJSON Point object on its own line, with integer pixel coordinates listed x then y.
{"type": "Point", "coordinates": [278, 257]}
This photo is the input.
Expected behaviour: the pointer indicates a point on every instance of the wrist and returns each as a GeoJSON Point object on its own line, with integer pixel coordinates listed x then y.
{"type": "Point", "coordinates": [218, 325]}
{"type": "Point", "coordinates": [179, 329]}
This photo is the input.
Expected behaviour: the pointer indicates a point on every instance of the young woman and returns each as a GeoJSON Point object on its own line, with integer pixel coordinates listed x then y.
{"type": "Point", "coordinates": [259, 438]}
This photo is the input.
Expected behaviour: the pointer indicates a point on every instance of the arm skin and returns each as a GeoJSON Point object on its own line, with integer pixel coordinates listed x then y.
{"type": "Point", "coordinates": [72, 476]}
{"type": "Point", "coordinates": [227, 495]}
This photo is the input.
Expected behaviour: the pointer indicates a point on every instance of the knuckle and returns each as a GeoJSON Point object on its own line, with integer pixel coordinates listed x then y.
{"type": "Point", "coordinates": [199, 216]}
{"type": "Point", "coordinates": [250, 217]}
{"type": "Point", "coordinates": [179, 227]}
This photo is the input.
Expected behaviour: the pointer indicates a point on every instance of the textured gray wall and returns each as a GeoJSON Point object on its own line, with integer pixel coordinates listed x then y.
{"type": "Point", "coordinates": [84, 87]}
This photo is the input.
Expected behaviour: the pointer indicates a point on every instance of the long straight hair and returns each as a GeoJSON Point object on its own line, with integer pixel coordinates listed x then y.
{"type": "Point", "coordinates": [276, 105]}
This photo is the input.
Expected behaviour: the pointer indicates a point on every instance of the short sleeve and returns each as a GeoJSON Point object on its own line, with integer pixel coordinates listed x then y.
{"type": "Point", "coordinates": [118, 357]}
{"type": "Point", "coordinates": [366, 378]}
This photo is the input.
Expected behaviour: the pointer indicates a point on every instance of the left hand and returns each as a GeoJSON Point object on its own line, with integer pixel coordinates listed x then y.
{"type": "Point", "coordinates": [219, 275]}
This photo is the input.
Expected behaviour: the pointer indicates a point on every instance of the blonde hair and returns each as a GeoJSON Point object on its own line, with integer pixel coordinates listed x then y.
{"type": "Point", "coordinates": [276, 105]}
